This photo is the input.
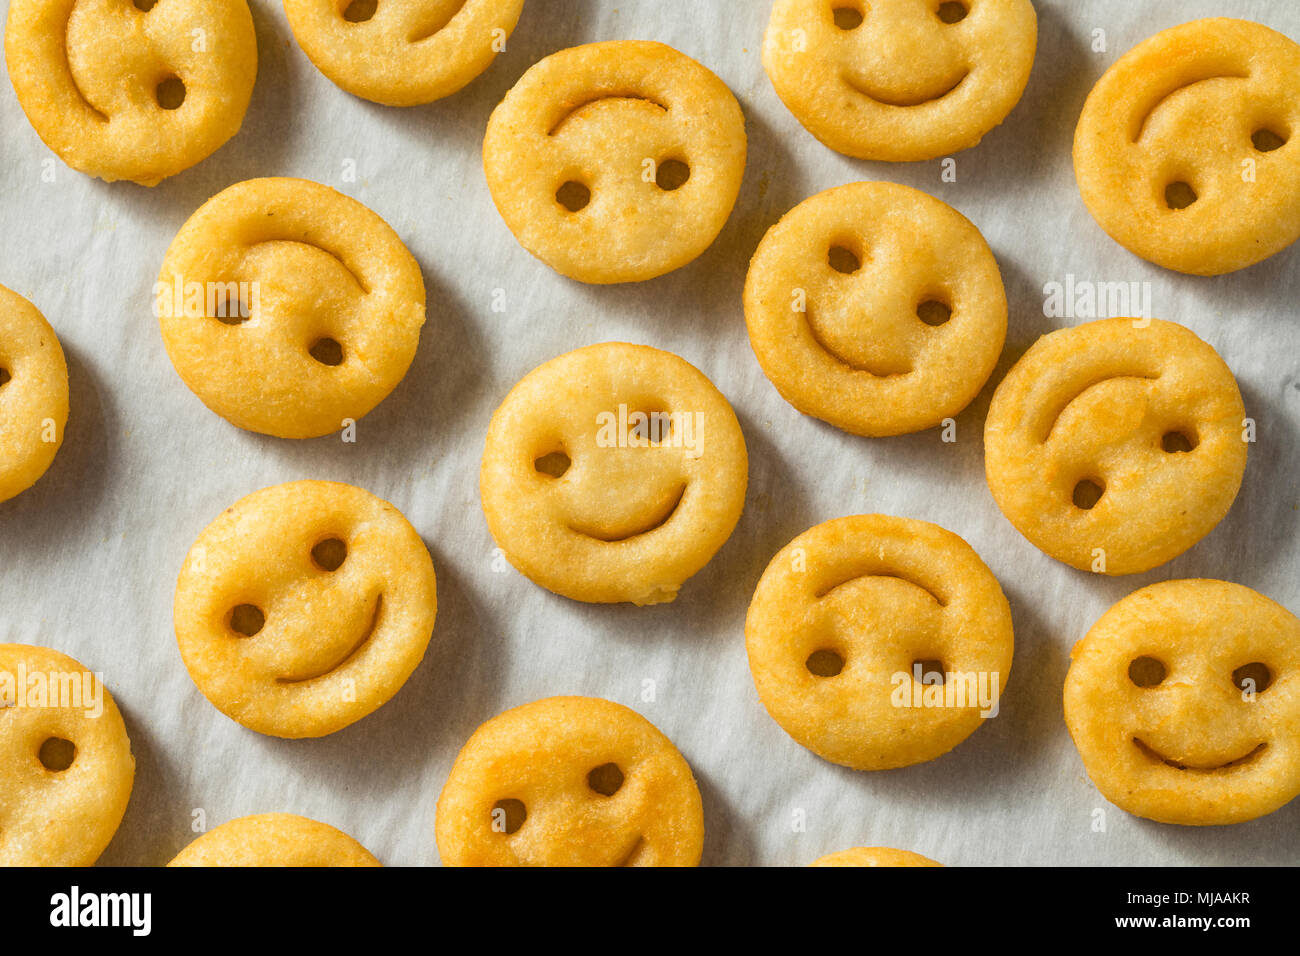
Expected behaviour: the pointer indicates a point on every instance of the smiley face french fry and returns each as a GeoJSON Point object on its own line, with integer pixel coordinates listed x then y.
{"type": "Point", "coordinates": [402, 52]}
{"type": "Point", "coordinates": [876, 308]}
{"type": "Point", "coordinates": [304, 607]}
{"type": "Point", "coordinates": [289, 308]}
{"type": "Point", "coordinates": [852, 622]}
{"type": "Point", "coordinates": [33, 394]}
{"type": "Point", "coordinates": [874, 856]}
{"type": "Point", "coordinates": [66, 768]}
{"type": "Point", "coordinates": [613, 473]}
{"type": "Point", "coordinates": [275, 839]}
{"type": "Point", "coordinates": [616, 162]}
{"type": "Point", "coordinates": [1183, 151]}
{"type": "Point", "coordinates": [900, 80]}
{"type": "Point", "coordinates": [1184, 702]}
{"type": "Point", "coordinates": [570, 781]}
{"type": "Point", "coordinates": [1116, 445]}
{"type": "Point", "coordinates": [137, 91]}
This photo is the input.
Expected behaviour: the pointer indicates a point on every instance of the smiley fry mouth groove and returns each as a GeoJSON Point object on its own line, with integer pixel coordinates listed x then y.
{"type": "Point", "coordinates": [823, 592]}
{"type": "Point", "coordinates": [1136, 376]}
{"type": "Point", "coordinates": [1142, 122]}
{"type": "Point", "coordinates": [627, 858]}
{"type": "Point", "coordinates": [315, 245]}
{"type": "Point", "coordinates": [662, 516]}
{"type": "Point", "coordinates": [903, 101]}
{"type": "Point", "coordinates": [441, 18]}
{"type": "Point", "coordinates": [365, 637]}
{"type": "Point", "coordinates": [578, 108]}
{"type": "Point", "coordinates": [1154, 754]}
{"type": "Point", "coordinates": [877, 372]}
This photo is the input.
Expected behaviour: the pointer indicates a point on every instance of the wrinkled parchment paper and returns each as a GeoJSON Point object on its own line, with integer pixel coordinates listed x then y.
{"type": "Point", "coordinates": [90, 555]}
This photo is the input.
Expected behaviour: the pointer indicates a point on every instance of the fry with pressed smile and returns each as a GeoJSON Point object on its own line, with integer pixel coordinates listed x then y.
{"type": "Point", "coordinates": [900, 80]}
{"type": "Point", "coordinates": [1184, 702]}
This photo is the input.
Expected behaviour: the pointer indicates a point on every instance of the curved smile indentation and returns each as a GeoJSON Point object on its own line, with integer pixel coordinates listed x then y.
{"type": "Point", "coordinates": [1083, 391]}
{"type": "Point", "coordinates": [881, 574]}
{"type": "Point", "coordinates": [311, 245]}
{"type": "Point", "coordinates": [352, 652]}
{"type": "Point", "coordinates": [875, 371]}
{"type": "Point", "coordinates": [436, 25]}
{"type": "Point", "coordinates": [1154, 754]}
{"type": "Point", "coordinates": [1142, 120]}
{"type": "Point", "coordinates": [629, 858]}
{"type": "Point", "coordinates": [895, 99]}
{"type": "Point", "coordinates": [660, 517]}
{"type": "Point", "coordinates": [67, 63]}
{"type": "Point", "coordinates": [600, 98]}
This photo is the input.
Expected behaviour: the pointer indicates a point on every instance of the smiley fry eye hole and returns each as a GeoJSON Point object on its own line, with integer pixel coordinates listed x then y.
{"type": "Point", "coordinates": [1087, 493]}
{"type": "Point", "coordinates": [170, 93]}
{"type": "Point", "coordinates": [573, 196]}
{"type": "Point", "coordinates": [144, 6]}
{"type": "Point", "coordinates": [330, 554]}
{"type": "Point", "coordinates": [1179, 195]}
{"type": "Point", "coordinates": [359, 11]}
{"type": "Point", "coordinates": [554, 464]}
{"type": "Point", "coordinates": [934, 312]}
{"type": "Point", "coordinates": [952, 11]}
{"type": "Point", "coordinates": [231, 310]}
{"type": "Point", "coordinates": [508, 815]}
{"type": "Point", "coordinates": [247, 620]}
{"type": "Point", "coordinates": [653, 424]}
{"type": "Point", "coordinates": [1146, 672]}
{"type": "Point", "coordinates": [1179, 440]}
{"type": "Point", "coordinates": [57, 754]}
{"type": "Point", "coordinates": [848, 16]}
{"type": "Point", "coordinates": [605, 779]}
{"type": "Point", "coordinates": [1254, 677]}
{"type": "Point", "coordinates": [931, 671]}
{"type": "Point", "coordinates": [4, 377]}
{"type": "Point", "coordinates": [824, 663]}
{"type": "Point", "coordinates": [327, 351]}
{"type": "Point", "coordinates": [672, 174]}
{"type": "Point", "coordinates": [843, 259]}
{"type": "Point", "coordinates": [1266, 140]}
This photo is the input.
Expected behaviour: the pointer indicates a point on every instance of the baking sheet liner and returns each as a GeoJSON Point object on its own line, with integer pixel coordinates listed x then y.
{"type": "Point", "coordinates": [90, 554]}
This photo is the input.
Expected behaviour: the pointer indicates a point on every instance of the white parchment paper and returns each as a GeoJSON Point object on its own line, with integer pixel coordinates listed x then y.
{"type": "Point", "coordinates": [90, 555]}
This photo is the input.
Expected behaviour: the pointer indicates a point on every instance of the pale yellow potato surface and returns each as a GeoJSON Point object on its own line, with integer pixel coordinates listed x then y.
{"type": "Point", "coordinates": [407, 52]}
{"type": "Point", "coordinates": [275, 839]}
{"type": "Point", "coordinates": [874, 856]}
